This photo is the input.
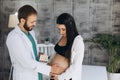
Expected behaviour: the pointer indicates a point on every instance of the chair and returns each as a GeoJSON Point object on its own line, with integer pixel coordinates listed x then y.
{"type": "Point", "coordinates": [47, 49]}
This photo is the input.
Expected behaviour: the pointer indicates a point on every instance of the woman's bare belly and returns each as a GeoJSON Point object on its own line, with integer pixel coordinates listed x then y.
{"type": "Point", "coordinates": [60, 60]}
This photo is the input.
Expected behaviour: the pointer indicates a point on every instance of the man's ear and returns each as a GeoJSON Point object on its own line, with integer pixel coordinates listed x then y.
{"type": "Point", "coordinates": [22, 20]}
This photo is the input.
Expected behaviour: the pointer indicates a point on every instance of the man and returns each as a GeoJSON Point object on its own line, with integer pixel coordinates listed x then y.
{"type": "Point", "coordinates": [22, 48]}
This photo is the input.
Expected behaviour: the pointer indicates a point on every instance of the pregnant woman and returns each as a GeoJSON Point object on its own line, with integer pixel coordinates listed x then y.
{"type": "Point", "coordinates": [69, 50]}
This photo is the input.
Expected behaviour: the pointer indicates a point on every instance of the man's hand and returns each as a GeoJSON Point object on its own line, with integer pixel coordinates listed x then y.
{"type": "Point", "coordinates": [43, 57]}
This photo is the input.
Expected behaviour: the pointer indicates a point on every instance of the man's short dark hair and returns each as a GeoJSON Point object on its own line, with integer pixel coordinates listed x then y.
{"type": "Point", "coordinates": [26, 11]}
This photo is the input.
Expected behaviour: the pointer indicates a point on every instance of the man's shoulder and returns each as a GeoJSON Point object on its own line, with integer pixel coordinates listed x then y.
{"type": "Point", "coordinates": [11, 32]}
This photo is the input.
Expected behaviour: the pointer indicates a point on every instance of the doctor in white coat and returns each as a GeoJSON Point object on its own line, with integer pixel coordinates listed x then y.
{"type": "Point", "coordinates": [20, 46]}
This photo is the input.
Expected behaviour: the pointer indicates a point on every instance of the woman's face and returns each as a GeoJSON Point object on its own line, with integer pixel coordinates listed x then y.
{"type": "Point", "coordinates": [62, 29]}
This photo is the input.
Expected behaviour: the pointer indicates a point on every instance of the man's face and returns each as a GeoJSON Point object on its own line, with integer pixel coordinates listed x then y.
{"type": "Point", "coordinates": [30, 22]}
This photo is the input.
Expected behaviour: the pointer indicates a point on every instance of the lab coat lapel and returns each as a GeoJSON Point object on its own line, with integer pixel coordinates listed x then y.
{"type": "Point", "coordinates": [26, 40]}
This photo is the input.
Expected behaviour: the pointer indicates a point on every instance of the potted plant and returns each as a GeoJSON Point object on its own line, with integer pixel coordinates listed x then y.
{"type": "Point", "coordinates": [111, 43]}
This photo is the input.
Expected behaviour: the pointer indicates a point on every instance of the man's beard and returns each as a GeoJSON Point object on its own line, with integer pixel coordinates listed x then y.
{"type": "Point", "coordinates": [26, 27]}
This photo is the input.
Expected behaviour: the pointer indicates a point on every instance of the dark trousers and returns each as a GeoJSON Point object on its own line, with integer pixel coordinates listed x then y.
{"type": "Point", "coordinates": [53, 79]}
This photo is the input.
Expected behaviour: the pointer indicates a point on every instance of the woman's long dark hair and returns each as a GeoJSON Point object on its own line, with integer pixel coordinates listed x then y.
{"type": "Point", "coordinates": [71, 32]}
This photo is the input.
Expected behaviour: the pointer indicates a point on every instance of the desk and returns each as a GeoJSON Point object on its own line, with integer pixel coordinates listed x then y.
{"type": "Point", "coordinates": [90, 72]}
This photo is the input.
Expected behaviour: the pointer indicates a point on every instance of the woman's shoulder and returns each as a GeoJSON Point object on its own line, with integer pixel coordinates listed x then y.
{"type": "Point", "coordinates": [78, 37]}
{"type": "Point", "coordinates": [78, 41]}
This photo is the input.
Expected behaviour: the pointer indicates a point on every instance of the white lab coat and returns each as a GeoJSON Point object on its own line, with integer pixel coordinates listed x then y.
{"type": "Point", "coordinates": [75, 69]}
{"type": "Point", "coordinates": [25, 67]}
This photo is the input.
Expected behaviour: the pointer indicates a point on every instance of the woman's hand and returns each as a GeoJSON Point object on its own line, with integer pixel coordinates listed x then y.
{"type": "Point", "coordinates": [54, 76]}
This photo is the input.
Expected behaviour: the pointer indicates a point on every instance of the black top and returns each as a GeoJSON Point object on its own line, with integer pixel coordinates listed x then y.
{"type": "Point", "coordinates": [60, 49]}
